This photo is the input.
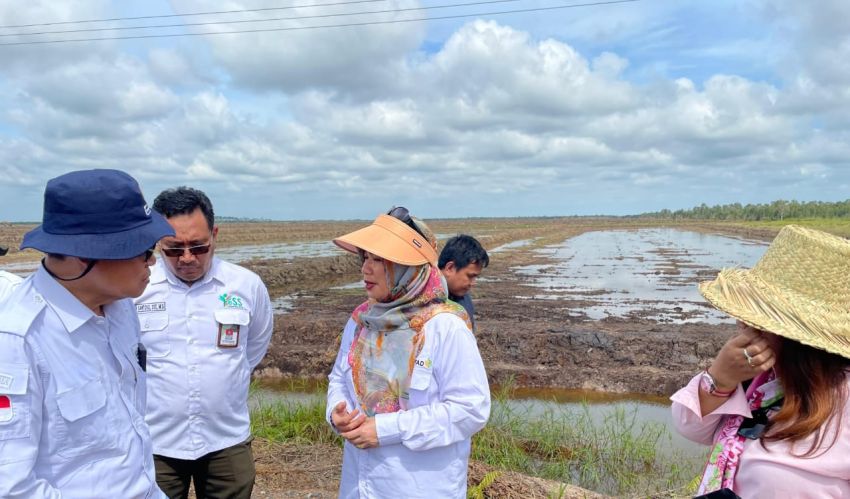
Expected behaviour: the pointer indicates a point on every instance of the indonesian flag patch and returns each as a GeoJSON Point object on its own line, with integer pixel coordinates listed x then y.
{"type": "Point", "coordinates": [5, 409]}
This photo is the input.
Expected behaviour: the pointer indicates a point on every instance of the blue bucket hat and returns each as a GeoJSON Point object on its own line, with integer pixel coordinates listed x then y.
{"type": "Point", "coordinates": [97, 214]}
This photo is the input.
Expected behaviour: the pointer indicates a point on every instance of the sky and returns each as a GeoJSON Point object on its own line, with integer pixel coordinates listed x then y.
{"type": "Point", "coordinates": [613, 108]}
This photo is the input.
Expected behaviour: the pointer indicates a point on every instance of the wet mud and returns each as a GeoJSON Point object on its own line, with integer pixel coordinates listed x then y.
{"type": "Point", "coordinates": [525, 340]}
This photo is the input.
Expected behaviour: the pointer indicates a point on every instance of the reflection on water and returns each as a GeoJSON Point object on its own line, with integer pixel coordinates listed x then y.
{"type": "Point", "coordinates": [650, 272]}
{"type": "Point", "coordinates": [283, 304]}
{"type": "Point", "coordinates": [350, 285]}
{"type": "Point", "coordinates": [512, 245]}
{"type": "Point", "coordinates": [285, 251]}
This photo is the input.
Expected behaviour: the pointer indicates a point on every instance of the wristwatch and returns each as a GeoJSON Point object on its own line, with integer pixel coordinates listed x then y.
{"type": "Point", "coordinates": [708, 385]}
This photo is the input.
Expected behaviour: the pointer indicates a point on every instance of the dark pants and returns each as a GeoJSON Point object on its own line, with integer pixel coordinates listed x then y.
{"type": "Point", "coordinates": [228, 473]}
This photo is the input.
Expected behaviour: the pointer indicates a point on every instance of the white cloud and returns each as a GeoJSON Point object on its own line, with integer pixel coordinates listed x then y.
{"type": "Point", "coordinates": [337, 120]}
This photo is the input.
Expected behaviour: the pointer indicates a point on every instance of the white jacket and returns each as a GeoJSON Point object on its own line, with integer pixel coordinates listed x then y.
{"type": "Point", "coordinates": [423, 451]}
{"type": "Point", "coordinates": [197, 389]}
{"type": "Point", "coordinates": [7, 283]}
{"type": "Point", "coordinates": [72, 423]}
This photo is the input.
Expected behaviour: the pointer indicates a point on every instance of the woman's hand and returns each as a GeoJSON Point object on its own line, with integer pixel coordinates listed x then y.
{"type": "Point", "coordinates": [365, 436]}
{"type": "Point", "coordinates": [743, 357]}
{"type": "Point", "coordinates": [345, 421]}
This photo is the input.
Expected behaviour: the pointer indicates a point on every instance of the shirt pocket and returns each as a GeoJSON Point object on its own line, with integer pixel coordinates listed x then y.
{"type": "Point", "coordinates": [84, 424]}
{"type": "Point", "coordinates": [231, 318]}
{"type": "Point", "coordinates": [421, 380]}
{"type": "Point", "coordinates": [155, 334]}
{"type": "Point", "coordinates": [15, 419]}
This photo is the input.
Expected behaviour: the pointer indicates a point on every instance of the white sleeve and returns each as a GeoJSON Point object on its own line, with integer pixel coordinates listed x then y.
{"type": "Point", "coordinates": [338, 378]}
{"type": "Point", "coordinates": [262, 324]}
{"type": "Point", "coordinates": [20, 428]}
{"type": "Point", "coordinates": [464, 404]}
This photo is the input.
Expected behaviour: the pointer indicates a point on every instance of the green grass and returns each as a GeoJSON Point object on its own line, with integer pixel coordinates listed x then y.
{"type": "Point", "coordinates": [293, 421]}
{"type": "Point", "coordinates": [612, 453]}
{"type": "Point", "coordinates": [837, 226]}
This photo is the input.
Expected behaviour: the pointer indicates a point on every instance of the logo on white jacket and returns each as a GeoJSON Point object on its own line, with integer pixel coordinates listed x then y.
{"type": "Point", "coordinates": [231, 301]}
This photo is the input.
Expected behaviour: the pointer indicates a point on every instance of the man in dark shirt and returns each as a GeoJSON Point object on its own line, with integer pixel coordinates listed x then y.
{"type": "Point", "coordinates": [461, 262]}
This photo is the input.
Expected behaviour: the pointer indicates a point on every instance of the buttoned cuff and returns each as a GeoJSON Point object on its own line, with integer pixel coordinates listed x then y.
{"type": "Point", "coordinates": [688, 397]}
{"type": "Point", "coordinates": [386, 426]}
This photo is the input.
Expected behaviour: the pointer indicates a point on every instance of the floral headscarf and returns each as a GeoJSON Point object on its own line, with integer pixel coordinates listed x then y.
{"type": "Point", "coordinates": [390, 335]}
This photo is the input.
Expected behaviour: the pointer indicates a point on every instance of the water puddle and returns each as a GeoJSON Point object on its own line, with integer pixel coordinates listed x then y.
{"type": "Point", "coordinates": [513, 245]}
{"type": "Point", "coordinates": [283, 304]}
{"type": "Point", "coordinates": [649, 273]}
{"type": "Point", "coordinates": [350, 285]}
{"type": "Point", "coordinates": [233, 254]}
{"type": "Point", "coordinates": [285, 251]}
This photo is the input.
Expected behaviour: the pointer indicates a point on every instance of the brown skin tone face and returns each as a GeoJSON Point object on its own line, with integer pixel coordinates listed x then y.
{"type": "Point", "coordinates": [190, 230]}
{"type": "Point", "coordinates": [108, 280]}
{"type": "Point", "coordinates": [461, 280]}
{"type": "Point", "coordinates": [375, 277]}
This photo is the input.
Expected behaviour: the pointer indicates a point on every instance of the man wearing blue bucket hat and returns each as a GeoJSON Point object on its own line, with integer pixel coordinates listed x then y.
{"type": "Point", "coordinates": [72, 388]}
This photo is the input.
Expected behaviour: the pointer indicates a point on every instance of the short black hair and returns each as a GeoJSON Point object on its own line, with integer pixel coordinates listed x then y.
{"type": "Point", "coordinates": [463, 250]}
{"type": "Point", "coordinates": [183, 201]}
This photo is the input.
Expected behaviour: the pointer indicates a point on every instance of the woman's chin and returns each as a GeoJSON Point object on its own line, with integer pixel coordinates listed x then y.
{"type": "Point", "coordinates": [379, 297]}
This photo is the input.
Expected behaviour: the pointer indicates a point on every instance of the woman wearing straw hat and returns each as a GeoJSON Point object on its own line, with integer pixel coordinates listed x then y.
{"type": "Point", "coordinates": [408, 389]}
{"type": "Point", "coordinates": [786, 434]}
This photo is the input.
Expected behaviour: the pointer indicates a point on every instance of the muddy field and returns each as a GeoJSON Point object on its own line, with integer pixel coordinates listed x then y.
{"type": "Point", "coordinates": [534, 342]}
{"type": "Point", "coordinates": [541, 343]}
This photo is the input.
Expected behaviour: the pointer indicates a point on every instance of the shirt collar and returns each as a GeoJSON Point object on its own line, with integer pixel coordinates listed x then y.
{"type": "Point", "coordinates": [67, 307]}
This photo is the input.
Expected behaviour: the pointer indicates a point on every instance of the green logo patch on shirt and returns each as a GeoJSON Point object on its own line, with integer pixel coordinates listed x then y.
{"type": "Point", "coordinates": [231, 301]}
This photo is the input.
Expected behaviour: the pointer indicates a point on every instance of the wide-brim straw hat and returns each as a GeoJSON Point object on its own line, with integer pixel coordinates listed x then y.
{"type": "Point", "coordinates": [390, 239]}
{"type": "Point", "coordinates": [799, 289]}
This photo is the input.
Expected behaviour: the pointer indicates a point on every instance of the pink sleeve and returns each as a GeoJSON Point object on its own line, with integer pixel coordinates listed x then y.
{"type": "Point", "coordinates": [687, 415]}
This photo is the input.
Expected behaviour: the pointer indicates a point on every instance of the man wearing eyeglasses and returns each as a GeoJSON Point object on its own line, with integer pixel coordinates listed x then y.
{"type": "Point", "coordinates": [206, 324]}
{"type": "Point", "coordinates": [72, 392]}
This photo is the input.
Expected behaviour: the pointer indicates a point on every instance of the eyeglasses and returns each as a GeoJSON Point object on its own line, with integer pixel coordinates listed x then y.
{"type": "Point", "coordinates": [201, 249]}
{"type": "Point", "coordinates": [401, 213]}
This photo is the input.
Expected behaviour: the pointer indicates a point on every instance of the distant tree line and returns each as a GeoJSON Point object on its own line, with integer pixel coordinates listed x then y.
{"type": "Point", "coordinates": [777, 210]}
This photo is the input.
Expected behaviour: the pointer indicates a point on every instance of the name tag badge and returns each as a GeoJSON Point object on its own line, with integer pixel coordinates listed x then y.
{"type": "Point", "coordinates": [228, 335]}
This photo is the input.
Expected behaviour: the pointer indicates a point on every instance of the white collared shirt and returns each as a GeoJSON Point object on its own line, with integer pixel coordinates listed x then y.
{"type": "Point", "coordinates": [423, 452]}
{"type": "Point", "coordinates": [7, 283]}
{"type": "Point", "coordinates": [198, 387]}
{"type": "Point", "coordinates": [76, 395]}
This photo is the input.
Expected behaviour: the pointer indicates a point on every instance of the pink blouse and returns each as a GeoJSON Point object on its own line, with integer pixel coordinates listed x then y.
{"type": "Point", "coordinates": [773, 472]}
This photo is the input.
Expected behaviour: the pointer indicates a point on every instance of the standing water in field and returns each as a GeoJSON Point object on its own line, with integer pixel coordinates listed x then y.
{"type": "Point", "coordinates": [650, 273]}
{"type": "Point", "coordinates": [285, 251]}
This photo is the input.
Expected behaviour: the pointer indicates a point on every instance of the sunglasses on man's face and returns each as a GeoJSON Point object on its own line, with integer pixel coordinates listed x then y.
{"type": "Point", "coordinates": [200, 249]}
